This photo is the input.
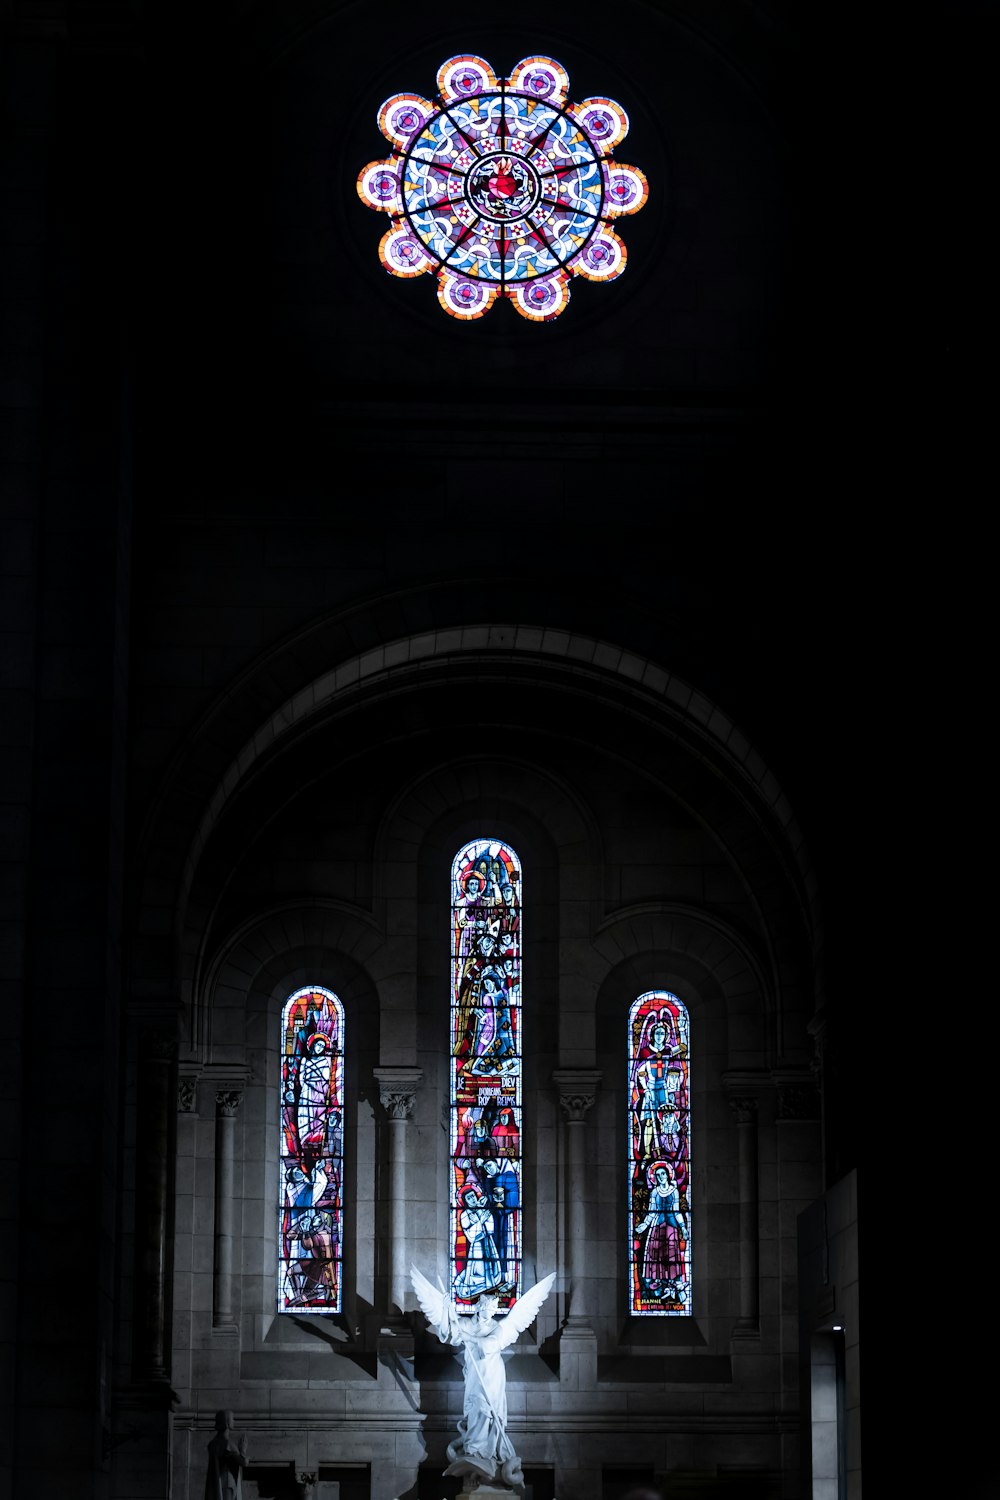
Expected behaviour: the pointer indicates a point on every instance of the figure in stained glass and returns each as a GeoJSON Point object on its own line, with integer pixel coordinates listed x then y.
{"type": "Point", "coordinates": [311, 1210]}
{"type": "Point", "coordinates": [653, 1079]}
{"type": "Point", "coordinates": [664, 1229]}
{"type": "Point", "coordinates": [503, 187]}
{"type": "Point", "coordinates": [481, 1270]}
{"type": "Point", "coordinates": [499, 1181]}
{"type": "Point", "coordinates": [486, 1072]}
{"type": "Point", "coordinates": [659, 1152]}
{"type": "Point", "coordinates": [505, 1135]}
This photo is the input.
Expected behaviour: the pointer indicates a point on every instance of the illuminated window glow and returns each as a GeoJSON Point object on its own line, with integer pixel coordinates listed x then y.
{"type": "Point", "coordinates": [311, 1216]}
{"type": "Point", "coordinates": [659, 1135]}
{"type": "Point", "coordinates": [485, 1074]}
{"type": "Point", "coordinates": [503, 187]}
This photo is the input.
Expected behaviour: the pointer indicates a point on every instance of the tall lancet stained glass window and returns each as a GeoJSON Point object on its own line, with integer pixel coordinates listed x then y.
{"type": "Point", "coordinates": [503, 187]}
{"type": "Point", "coordinates": [659, 1136]}
{"type": "Point", "coordinates": [311, 1213]}
{"type": "Point", "coordinates": [485, 1073]}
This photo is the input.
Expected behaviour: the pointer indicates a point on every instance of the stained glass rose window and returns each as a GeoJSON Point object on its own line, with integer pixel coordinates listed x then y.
{"type": "Point", "coordinates": [503, 187]}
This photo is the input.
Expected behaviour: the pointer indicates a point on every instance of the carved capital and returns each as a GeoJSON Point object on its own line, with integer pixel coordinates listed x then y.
{"type": "Point", "coordinates": [158, 1043]}
{"type": "Point", "coordinates": [397, 1103]}
{"type": "Point", "coordinates": [228, 1101]}
{"type": "Point", "coordinates": [187, 1086]}
{"type": "Point", "coordinates": [797, 1102]}
{"type": "Point", "coordinates": [744, 1108]}
{"type": "Point", "coordinates": [397, 1090]}
{"type": "Point", "coordinates": [577, 1089]}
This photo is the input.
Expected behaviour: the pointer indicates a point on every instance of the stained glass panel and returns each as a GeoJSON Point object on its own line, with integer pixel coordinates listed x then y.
{"type": "Point", "coordinates": [485, 1073]}
{"type": "Point", "coordinates": [659, 1135]}
{"type": "Point", "coordinates": [503, 187]}
{"type": "Point", "coordinates": [311, 1216]}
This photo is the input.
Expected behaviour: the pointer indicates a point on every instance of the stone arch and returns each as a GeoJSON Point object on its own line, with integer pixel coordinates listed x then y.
{"type": "Point", "coordinates": [274, 953]}
{"type": "Point", "coordinates": [431, 817]}
{"type": "Point", "coordinates": [722, 984]}
{"type": "Point", "coordinates": [580, 655]}
{"type": "Point", "coordinates": [171, 856]}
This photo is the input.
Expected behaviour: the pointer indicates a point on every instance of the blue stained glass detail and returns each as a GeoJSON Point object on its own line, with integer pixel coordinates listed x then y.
{"type": "Point", "coordinates": [502, 182]}
{"type": "Point", "coordinates": [486, 1199]}
{"type": "Point", "coordinates": [311, 1211]}
{"type": "Point", "coordinates": [659, 1137]}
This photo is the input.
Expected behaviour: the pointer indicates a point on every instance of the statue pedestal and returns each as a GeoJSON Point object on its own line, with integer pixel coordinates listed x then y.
{"type": "Point", "coordinates": [481, 1490]}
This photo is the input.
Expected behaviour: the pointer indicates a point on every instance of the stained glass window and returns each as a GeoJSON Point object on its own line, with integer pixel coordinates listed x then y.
{"type": "Point", "coordinates": [485, 1073]}
{"type": "Point", "coordinates": [311, 1215]}
{"type": "Point", "coordinates": [503, 187]}
{"type": "Point", "coordinates": [659, 1135]}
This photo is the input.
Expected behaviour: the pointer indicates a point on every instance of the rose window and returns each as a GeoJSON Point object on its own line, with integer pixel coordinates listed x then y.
{"type": "Point", "coordinates": [503, 187]}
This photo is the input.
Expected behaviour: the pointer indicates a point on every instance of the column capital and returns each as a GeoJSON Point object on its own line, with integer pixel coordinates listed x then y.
{"type": "Point", "coordinates": [798, 1101]}
{"type": "Point", "coordinates": [228, 1102]}
{"type": "Point", "coordinates": [158, 1041]}
{"type": "Point", "coordinates": [397, 1090]}
{"type": "Point", "coordinates": [577, 1089]}
{"type": "Point", "coordinates": [187, 1085]}
{"type": "Point", "coordinates": [744, 1108]}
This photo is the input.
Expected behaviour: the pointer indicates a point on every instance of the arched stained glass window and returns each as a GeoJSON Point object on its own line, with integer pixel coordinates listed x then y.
{"type": "Point", "coordinates": [659, 1135]}
{"type": "Point", "coordinates": [311, 1214]}
{"type": "Point", "coordinates": [485, 1073]}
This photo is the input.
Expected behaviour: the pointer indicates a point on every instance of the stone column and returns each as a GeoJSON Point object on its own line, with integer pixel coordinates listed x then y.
{"type": "Point", "coordinates": [577, 1089]}
{"type": "Point", "coordinates": [156, 1093]}
{"type": "Point", "coordinates": [744, 1109]}
{"type": "Point", "coordinates": [397, 1090]}
{"type": "Point", "coordinates": [227, 1102]}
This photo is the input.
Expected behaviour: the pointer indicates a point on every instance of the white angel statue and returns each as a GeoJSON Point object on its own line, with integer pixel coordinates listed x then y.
{"type": "Point", "coordinates": [482, 1446]}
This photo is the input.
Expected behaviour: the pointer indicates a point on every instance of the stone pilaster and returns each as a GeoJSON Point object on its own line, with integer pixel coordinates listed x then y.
{"type": "Point", "coordinates": [227, 1102]}
{"type": "Point", "coordinates": [577, 1090]}
{"type": "Point", "coordinates": [156, 1095]}
{"type": "Point", "coordinates": [744, 1108]}
{"type": "Point", "coordinates": [397, 1089]}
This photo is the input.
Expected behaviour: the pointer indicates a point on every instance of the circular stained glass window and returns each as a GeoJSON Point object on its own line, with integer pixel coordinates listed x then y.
{"type": "Point", "coordinates": [503, 187]}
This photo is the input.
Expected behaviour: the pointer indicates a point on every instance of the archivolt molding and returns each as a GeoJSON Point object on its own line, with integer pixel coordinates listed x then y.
{"type": "Point", "coordinates": [689, 930]}
{"type": "Point", "coordinates": [272, 949]}
{"type": "Point", "coordinates": [580, 655]}
{"type": "Point", "coordinates": [700, 957]}
{"type": "Point", "coordinates": [593, 666]}
{"type": "Point", "coordinates": [413, 819]}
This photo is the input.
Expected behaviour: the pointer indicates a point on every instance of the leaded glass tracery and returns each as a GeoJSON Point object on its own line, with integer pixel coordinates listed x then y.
{"type": "Point", "coordinates": [659, 1135]}
{"type": "Point", "coordinates": [485, 1073]}
{"type": "Point", "coordinates": [311, 1215]}
{"type": "Point", "coordinates": [503, 187]}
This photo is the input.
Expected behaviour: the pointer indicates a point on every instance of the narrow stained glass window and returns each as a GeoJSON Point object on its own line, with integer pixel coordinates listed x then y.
{"type": "Point", "coordinates": [311, 1215]}
{"type": "Point", "coordinates": [485, 1073]}
{"type": "Point", "coordinates": [659, 1156]}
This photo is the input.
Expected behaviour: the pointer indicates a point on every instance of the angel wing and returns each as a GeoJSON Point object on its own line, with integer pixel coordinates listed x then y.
{"type": "Point", "coordinates": [522, 1313]}
{"type": "Point", "coordinates": [433, 1302]}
